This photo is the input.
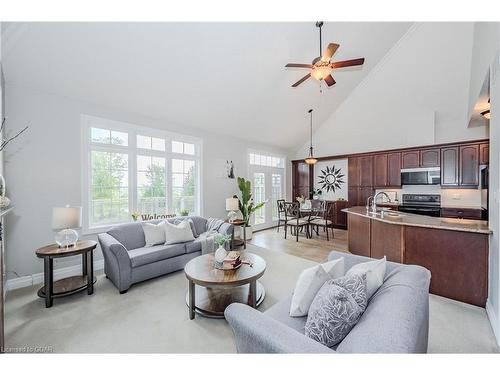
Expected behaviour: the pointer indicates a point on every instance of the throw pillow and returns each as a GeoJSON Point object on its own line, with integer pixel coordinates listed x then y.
{"type": "Point", "coordinates": [310, 281]}
{"type": "Point", "coordinates": [191, 223]}
{"type": "Point", "coordinates": [375, 273]}
{"type": "Point", "coordinates": [178, 233]}
{"type": "Point", "coordinates": [154, 234]}
{"type": "Point", "coordinates": [336, 309]}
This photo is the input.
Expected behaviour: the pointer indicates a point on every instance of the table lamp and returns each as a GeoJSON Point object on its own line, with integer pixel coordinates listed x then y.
{"type": "Point", "coordinates": [232, 206]}
{"type": "Point", "coordinates": [65, 219]}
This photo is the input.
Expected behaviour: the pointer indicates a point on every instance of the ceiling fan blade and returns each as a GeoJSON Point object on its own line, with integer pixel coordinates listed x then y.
{"type": "Point", "coordinates": [293, 65]}
{"type": "Point", "coordinates": [330, 50]}
{"type": "Point", "coordinates": [301, 80]}
{"type": "Point", "coordinates": [346, 63]}
{"type": "Point", "coordinates": [329, 80]}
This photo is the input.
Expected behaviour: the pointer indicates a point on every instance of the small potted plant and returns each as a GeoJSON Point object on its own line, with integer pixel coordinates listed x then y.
{"type": "Point", "coordinates": [221, 252]}
{"type": "Point", "coordinates": [184, 212]}
{"type": "Point", "coordinates": [135, 215]}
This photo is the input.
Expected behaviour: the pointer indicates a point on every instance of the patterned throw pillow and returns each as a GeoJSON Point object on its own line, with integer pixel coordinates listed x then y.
{"type": "Point", "coordinates": [336, 309]}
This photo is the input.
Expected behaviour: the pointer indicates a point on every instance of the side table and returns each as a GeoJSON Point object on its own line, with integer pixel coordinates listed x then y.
{"type": "Point", "coordinates": [69, 285]}
{"type": "Point", "coordinates": [235, 242]}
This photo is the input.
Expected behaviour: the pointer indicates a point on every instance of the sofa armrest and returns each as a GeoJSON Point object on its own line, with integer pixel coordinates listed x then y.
{"type": "Point", "coordinates": [255, 332]}
{"type": "Point", "coordinates": [226, 228]}
{"type": "Point", "coordinates": [118, 266]}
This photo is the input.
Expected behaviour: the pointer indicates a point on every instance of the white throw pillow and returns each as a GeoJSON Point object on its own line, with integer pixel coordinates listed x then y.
{"type": "Point", "coordinates": [178, 233]}
{"type": "Point", "coordinates": [375, 273]}
{"type": "Point", "coordinates": [310, 282]}
{"type": "Point", "coordinates": [154, 233]}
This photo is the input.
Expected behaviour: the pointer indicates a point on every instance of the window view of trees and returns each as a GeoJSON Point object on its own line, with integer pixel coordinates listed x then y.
{"type": "Point", "coordinates": [109, 187]}
{"type": "Point", "coordinates": [151, 185]}
{"type": "Point", "coordinates": [143, 176]}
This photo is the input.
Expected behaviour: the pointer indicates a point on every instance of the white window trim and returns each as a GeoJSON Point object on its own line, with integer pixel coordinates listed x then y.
{"type": "Point", "coordinates": [87, 122]}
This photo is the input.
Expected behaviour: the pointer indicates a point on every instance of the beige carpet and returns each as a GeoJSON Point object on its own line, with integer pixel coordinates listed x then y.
{"type": "Point", "coordinates": [153, 317]}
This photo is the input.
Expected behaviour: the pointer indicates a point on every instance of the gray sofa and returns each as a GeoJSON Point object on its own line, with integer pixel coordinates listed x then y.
{"type": "Point", "coordinates": [127, 261]}
{"type": "Point", "coordinates": [396, 319]}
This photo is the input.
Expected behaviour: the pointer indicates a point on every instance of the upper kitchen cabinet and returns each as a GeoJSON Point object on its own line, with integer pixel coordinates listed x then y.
{"type": "Point", "coordinates": [366, 170]}
{"type": "Point", "coordinates": [430, 157]}
{"type": "Point", "coordinates": [484, 153]}
{"type": "Point", "coordinates": [301, 179]}
{"type": "Point", "coordinates": [469, 166]}
{"type": "Point", "coordinates": [380, 170]}
{"type": "Point", "coordinates": [449, 166]}
{"type": "Point", "coordinates": [353, 173]}
{"type": "Point", "coordinates": [460, 166]}
{"type": "Point", "coordinates": [394, 169]}
{"type": "Point", "coordinates": [410, 159]}
{"type": "Point", "coordinates": [387, 170]}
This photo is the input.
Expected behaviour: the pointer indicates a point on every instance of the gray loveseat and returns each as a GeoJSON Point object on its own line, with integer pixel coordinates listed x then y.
{"type": "Point", "coordinates": [396, 319]}
{"type": "Point", "coordinates": [127, 261]}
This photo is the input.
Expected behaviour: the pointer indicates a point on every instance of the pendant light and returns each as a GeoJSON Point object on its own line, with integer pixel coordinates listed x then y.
{"type": "Point", "coordinates": [311, 160]}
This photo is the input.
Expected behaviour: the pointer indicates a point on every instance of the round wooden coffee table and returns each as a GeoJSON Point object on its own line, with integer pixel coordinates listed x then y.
{"type": "Point", "coordinates": [211, 290]}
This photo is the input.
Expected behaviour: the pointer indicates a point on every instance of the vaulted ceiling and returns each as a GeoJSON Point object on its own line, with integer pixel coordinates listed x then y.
{"type": "Point", "coordinates": [222, 77]}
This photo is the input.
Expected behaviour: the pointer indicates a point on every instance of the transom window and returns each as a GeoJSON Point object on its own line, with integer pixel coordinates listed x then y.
{"type": "Point", "coordinates": [132, 169]}
{"type": "Point", "coordinates": [266, 160]}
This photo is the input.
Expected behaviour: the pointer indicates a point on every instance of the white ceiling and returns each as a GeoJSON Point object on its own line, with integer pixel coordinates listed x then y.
{"type": "Point", "coordinates": [223, 77]}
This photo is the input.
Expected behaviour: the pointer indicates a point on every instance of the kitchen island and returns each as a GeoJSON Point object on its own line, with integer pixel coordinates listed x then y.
{"type": "Point", "coordinates": [454, 250]}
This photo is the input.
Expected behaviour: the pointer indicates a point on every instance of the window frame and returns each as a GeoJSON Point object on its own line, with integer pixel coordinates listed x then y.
{"type": "Point", "coordinates": [88, 122]}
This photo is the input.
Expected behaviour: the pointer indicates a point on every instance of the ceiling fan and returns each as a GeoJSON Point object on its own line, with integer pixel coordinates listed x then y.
{"type": "Point", "coordinates": [321, 67]}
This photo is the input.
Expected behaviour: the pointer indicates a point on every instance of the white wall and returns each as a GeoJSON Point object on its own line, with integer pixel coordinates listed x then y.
{"type": "Point", "coordinates": [337, 164]}
{"type": "Point", "coordinates": [43, 168]}
{"type": "Point", "coordinates": [493, 303]}
{"type": "Point", "coordinates": [417, 95]}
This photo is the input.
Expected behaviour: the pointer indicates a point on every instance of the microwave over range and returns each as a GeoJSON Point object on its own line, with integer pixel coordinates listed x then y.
{"type": "Point", "coordinates": [421, 176]}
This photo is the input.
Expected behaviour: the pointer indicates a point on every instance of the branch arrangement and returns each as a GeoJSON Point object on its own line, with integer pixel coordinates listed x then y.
{"type": "Point", "coordinates": [5, 142]}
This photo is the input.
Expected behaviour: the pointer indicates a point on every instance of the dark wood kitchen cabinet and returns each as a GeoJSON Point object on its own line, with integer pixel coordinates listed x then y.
{"type": "Point", "coordinates": [394, 169]}
{"type": "Point", "coordinates": [358, 195]}
{"type": "Point", "coordinates": [484, 153]}
{"type": "Point", "coordinates": [430, 157]}
{"type": "Point", "coordinates": [353, 195]}
{"type": "Point", "coordinates": [410, 159]}
{"type": "Point", "coordinates": [449, 166]}
{"type": "Point", "coordinates": [380, 170]}
{"type": "Point", "coordinates": [301, 180]}
{"type": "Point", "coordinates": [353, 173]}
{"type": "Point", "coordinates": [387, 170]}
{"type": "Point", "coordinates": [366, 170]}
{"type": "Point", "coordinates": [469, 166]}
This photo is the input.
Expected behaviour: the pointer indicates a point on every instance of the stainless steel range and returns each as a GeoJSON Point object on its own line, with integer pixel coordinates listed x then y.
{"type": "Point", "coordinates": [421, 204]}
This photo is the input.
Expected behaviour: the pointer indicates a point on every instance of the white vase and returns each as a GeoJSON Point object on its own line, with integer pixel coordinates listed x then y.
{"type": "Point", "coordinates": [220, 254]}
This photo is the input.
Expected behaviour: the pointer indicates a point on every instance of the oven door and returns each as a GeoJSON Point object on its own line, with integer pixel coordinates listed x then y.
{"type": "Point", "coordinates": [427, 211]}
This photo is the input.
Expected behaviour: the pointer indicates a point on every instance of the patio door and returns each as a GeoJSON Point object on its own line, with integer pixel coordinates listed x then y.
{"type": "Point", "coordinates": [267, 175]}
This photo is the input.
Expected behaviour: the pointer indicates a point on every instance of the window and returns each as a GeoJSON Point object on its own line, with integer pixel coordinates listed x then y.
{"type": "Point", "coordinates": [259, 195]}
{"type": "Point", "coordinates": [135, 169]}
{"type": "Point", "coordinates": [266, 160]}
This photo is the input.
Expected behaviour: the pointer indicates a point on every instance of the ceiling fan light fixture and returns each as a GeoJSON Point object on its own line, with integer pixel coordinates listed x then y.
{"type": "Point", "coordinates": [486, 114]}
{"type": "Point", "coordinates": [320, 71]}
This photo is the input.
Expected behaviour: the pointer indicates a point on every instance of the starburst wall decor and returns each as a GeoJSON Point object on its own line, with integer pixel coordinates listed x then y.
{"type": "Point", "coordinates": [331, 178]}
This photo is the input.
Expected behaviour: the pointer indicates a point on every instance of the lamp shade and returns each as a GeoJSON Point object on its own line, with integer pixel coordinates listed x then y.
{"type": "Point", "coordinates": [232, 204]}
{"type": "Point", "coordinates": [66, 217]}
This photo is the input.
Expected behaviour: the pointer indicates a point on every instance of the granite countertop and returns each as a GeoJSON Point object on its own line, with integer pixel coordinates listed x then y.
{"type": "Point", "coordinates": [461, 225]}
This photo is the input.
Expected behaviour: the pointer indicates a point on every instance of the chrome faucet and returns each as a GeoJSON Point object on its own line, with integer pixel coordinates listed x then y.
{"type": "Point", "coordinates": [374, 200]}
{"type": "Point", "coordinates": [368, 202]}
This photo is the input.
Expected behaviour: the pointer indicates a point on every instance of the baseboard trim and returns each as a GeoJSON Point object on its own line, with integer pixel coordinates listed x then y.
{"type": "Point", "coordinates": [493, 320]}
{"type": "Point", "coordinates": [60, 273]}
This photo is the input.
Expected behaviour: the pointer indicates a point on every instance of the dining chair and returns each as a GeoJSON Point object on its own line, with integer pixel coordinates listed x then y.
{"type": "Point", "coordinates": [326, 221]}
{"type": "Point", "coordinates": [281, 212]}
{"type": "Point", "coordinates": [293, 219]}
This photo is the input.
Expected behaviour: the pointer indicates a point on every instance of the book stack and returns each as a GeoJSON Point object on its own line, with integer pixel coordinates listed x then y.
{"type": "Point", "coordinates": [232, 260]}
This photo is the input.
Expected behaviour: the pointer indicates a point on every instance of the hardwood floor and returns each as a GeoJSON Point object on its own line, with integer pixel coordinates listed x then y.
{"type": "Point", "coordinates": [315, 249]}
